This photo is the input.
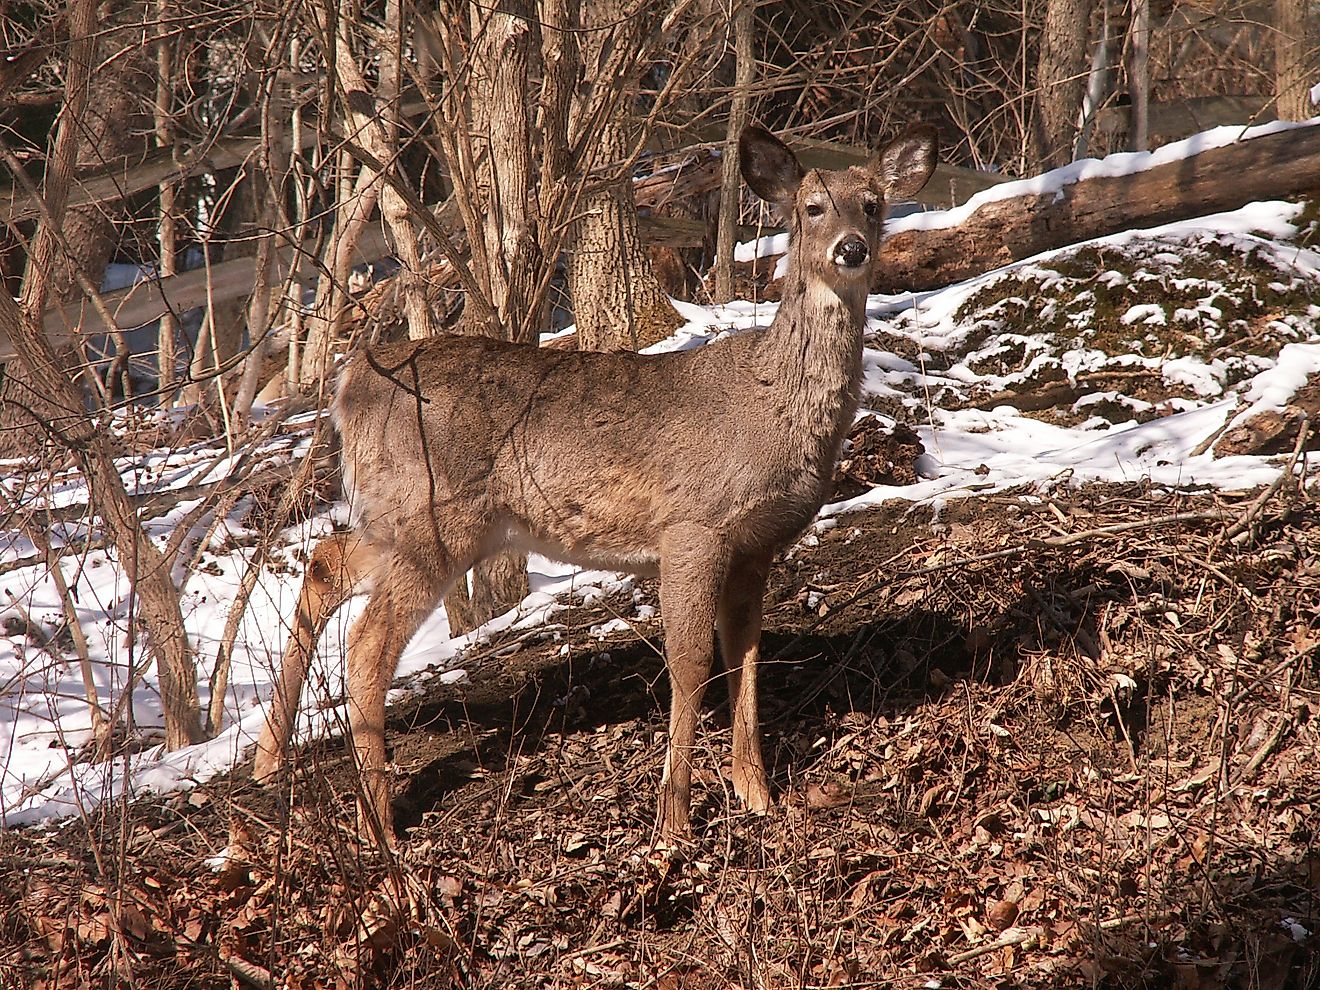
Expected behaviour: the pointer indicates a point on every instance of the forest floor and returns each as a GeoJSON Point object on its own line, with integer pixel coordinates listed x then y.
{"type": "Point", "coordinates": [1050, 738]}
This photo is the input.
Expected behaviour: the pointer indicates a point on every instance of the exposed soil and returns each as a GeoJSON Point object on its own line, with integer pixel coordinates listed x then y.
{"type": "Point", "coordinates": [1037, 740]}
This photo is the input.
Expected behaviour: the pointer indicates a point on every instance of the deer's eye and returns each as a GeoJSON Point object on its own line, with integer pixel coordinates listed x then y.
{"type": "Point", "coordinates": [871, 208]}
{"type": "Point", "coordinates": [815, 210]}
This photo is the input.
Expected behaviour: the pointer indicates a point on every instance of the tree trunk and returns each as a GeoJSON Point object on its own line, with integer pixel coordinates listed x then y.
{"type": "Point", "coordinates": [560, 64]}
{"type": "Point", "coordinates": [167, 335]}
{"type": "Point", "coordinates": [358, 193]}
{"type": "Point", "coordinates": [731, 182]}
{"type": "Point", "coordinates": [617, 302]}
{"type": "Point", "coordinates": [512, 229]}
{"type": "Point", "coordinates": [1061, 72]}
{"type": "Point", "coordinates": [1097, 84]}
{"type": "Point", "coordinates": [72, 429]}
{"type": "Point", "coordinates": [263, 304]}
{"type": "Point", "coordinates": [119, 95]}
{"type": "Point", "coordinates": [377, 130]}
{"type": "Point", "coordinates": [1139, 77]}
{"type": "Point", "coordinates": [222, 333]}
{"type": "Point", "coordinates": [1296, 59]}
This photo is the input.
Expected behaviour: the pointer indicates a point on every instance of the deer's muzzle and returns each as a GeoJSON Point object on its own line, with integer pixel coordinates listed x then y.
{"type": "Point", "coordinates": [851, 252]}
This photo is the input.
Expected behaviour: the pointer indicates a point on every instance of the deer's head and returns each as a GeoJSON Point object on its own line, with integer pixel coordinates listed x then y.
{"type": "Point", "coordinates": [836, 218]}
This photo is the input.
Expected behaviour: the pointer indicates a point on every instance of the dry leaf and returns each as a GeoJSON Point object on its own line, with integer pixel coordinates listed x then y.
{"type": "Point", "coordinates": [1001, 915]}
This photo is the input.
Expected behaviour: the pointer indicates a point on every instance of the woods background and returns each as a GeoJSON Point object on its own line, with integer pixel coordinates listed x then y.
{"type": "Point", "coordinates": [1053, 734]}
{"type": "Point", "coordinates": [208, 203]}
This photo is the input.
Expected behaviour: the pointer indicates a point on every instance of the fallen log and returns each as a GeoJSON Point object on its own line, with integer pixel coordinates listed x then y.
{"type": "Point", "coordinates": [1095, 198]}
{"type": "Point", "coordinates": [135, 173]}
{"type": "Point", "coordinates": [140, 304]}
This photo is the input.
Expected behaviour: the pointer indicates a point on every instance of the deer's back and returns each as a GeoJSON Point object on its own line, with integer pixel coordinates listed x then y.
{"type": "Point", "coordinates": [584, 456]}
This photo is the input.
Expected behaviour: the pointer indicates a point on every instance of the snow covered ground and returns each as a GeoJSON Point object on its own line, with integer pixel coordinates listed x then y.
{"type": "Point", "coordinates": [1163, 338]}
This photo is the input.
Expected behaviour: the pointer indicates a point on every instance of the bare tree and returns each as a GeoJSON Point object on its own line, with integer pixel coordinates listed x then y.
{"type": "Point", "coordinates": [743, 28]}
{"type": "Point", "coordinates": [1139, 75]}
{"type": "Point", "coordinates": [1061, 72]}
{"type": "Point", "coordinates": [504, 144]}
{"type": "Point", "coordinates": [269, 170]}
{"type": "Point", "coordinates": [617, 302]}
{"type": "Point", "coordinates": [119, 95]}
{"type": "Point", "coordinates": [70, 426]}
{"type": "Point", "coordinates": [167, 336]}
{"type": "Point", "coordinates": [375, 125]}
{"type": "Point", "coordinates": [1296, 57]}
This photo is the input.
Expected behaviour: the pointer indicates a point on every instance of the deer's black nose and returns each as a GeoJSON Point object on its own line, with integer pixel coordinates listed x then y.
{"type": "Point", "coordinates": [851, 253]}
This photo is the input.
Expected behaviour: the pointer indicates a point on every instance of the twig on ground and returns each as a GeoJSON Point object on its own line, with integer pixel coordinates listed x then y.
{"type": "Point", "coordinates": [248, 972]}
{"type": "Point", "coordinates": [1288, 661]}
{"type": "Point", "coordinates": [1266, 748]}
{"type": "Point", "coordinates": [1239, 532]}
{"type": "Point", "coordinates": [1214, 436]}
{"type": "Point", "coordinates": [1014, 936]}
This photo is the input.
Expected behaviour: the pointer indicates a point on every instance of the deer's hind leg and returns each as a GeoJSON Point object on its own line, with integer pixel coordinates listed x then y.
{"type": "Point", "coordinates": [739, 624]}
{"type": "Point", "coordinates": [411, 583]}
{"type": "Point", "coordinates": [340, 567]}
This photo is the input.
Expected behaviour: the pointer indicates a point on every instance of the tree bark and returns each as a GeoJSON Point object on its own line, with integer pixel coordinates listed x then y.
{"type": "Point", "coordinates": [1061, 72]}
{"type": "Point", "coordinates": [560, 60]}
{"type": "Point", "coordinates": [1296, 58]}
{"type": "Point", "coordinates": [511, 232]}
{"type": "Point", "coordinates": [617, 302]}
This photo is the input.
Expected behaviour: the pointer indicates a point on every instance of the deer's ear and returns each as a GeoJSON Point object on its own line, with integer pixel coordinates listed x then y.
{"type": "Point", "coordinates": [768, 166]}
{"type": "Point", "coordinates": [905, 164]}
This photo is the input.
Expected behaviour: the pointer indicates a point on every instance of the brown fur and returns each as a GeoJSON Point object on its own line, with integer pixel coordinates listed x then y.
{"type": "Point", "coordinates": [698, 466]}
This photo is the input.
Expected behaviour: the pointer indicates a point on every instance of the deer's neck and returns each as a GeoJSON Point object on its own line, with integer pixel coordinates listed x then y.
{"type": "Point", "coordinates": [813, 353]}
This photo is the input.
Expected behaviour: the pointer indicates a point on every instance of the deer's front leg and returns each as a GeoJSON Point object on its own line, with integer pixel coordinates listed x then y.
{"type": "Point", "coordinates": [691, 574]}
{"type": "Point", "coordinates": [740, 638]}
{"type": "Point", "coordinates": [341, 565]}
{"type": "Point", "coordinates": [409, 589]}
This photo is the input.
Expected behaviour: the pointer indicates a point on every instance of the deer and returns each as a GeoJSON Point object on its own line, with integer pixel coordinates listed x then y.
{"type": "Point", "coordinates": [698, 466]}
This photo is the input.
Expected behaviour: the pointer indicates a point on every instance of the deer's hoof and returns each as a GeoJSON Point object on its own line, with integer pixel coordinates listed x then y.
{"type": "Point", "coordinates": [750, 784]}
{"type": "Point", "coordinates": [673, 824]}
